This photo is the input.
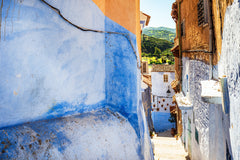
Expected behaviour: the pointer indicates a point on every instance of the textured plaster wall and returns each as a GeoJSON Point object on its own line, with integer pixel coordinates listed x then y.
{"type": "Point", "coordinates": [229, 65]}
{"type": "Point", "coordinates": [218, 11]}
{"type": "Point", "coordinates": [206, 119]}
{"type": "Point", "coordinates": [123, 88]}
{"type": "Point", "coordinates": [146, 100]}
{"type": "Point", "coordinates": [121, 13]}
{"type": "Point", "coordinates": [50, 69]}
{"type": "Point", "coordinates": [199, 116]}
{"type": "Point", "coordinates": [186, 77]}
{"type": "Point", "coordinates": [95, 135]}
{"type": "Point", "coordinates": [195, 37]}
{"type": "Point", "coordinates": [219, 133]}
{"type": "Point", "coordinates": [46, 68]}
{"type": "Point", "coordinates": [184, 127]}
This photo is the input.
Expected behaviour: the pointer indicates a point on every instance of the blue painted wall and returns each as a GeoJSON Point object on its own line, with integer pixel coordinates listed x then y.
{"type": "Point", "coordinates": [146, 100]}
{"type": "Point", "coordinates": [160, 121]}
{"type": "Point", "coordinates": [49, 69]}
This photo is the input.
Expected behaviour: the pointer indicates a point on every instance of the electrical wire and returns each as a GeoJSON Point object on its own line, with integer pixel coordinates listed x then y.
{"type": "Point", "coordinates": [126, 35]}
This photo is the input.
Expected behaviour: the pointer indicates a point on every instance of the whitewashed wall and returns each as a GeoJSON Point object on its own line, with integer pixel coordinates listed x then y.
{"type": "Point", "coordinates": [229, 65]}
{"type": "Point", "coordinates": [162, 104]}
{"type": "Point", "coordinates": [159, 87]}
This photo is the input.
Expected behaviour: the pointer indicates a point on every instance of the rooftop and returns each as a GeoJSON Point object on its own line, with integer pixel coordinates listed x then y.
{"type": "Point", "coordinates": [163, 68]}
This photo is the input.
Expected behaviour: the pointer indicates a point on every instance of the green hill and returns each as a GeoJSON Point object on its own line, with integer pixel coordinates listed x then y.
{"type": "Point", "coordinates": [160, 32]}
{"type": "Point", "coordinates": [149, 44]}
{"type": "Point", "coordinates": [156, 50]}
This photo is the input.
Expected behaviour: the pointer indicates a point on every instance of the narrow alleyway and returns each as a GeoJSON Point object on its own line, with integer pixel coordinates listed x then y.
{"type": "Point", "coordinates": [167, 147]}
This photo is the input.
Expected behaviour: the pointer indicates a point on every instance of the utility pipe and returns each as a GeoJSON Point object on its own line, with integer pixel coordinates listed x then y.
{"type": "Point", "coordinates": [211, 37]}
{"type": "Point", "coordinates": [180, 45]}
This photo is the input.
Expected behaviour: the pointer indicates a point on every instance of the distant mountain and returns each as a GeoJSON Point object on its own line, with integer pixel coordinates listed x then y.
{"type": "Point", "coordinates": [160, 32]}
{"type": "Point", "coordinates": [161, 28]}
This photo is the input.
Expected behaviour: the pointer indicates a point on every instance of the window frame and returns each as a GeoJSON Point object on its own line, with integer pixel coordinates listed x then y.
{"type": "Point", "coordinates": [165, 78]}
{"type": "Point", "coordinates": [203, 12]}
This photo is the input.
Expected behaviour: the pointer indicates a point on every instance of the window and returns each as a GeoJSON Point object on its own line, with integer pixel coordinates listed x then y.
{"type": "Point", "coordinates": [144, 65]}
{"type": "Point", "coordinates": [153, 98]}
{"type": "Point", "coordinates": [202, 12]}
{"type": "Point", "coordinates": [165, 78]}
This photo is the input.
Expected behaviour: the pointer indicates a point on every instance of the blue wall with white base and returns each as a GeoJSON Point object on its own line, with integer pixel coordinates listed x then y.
{"type": "Point", "coordinates": [67, 93]}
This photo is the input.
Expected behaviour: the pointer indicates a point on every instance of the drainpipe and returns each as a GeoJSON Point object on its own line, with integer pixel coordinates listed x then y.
{"type": "Point", "coordinates": [180, 44]}
{"type": "Point", "coordinates": [211, 36]}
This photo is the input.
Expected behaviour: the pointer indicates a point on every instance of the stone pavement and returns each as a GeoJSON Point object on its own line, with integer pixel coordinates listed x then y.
{"type": "Point", "coordinates": [167, 147]}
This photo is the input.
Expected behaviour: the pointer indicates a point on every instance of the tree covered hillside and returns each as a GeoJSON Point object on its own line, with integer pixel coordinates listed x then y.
{"type": "Point", "coordinates": [156, 50]}
{"type": "Point", "coordinates": [160, 32]}
{"type": "Point", "coordinates": [150, 45]}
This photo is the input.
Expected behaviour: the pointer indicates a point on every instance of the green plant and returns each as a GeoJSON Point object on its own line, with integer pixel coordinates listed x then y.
{"type": "Point", "coordinates": [172, 118]}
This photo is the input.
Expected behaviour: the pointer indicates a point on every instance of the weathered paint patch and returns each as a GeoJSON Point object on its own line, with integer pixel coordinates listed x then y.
{"type": "Point", "coordinates": [100, 134]}
{"type": "Point", "coordinates": [146, 100]}
{"type": "Point", "coordinates": [123, 92]}
{"type": "Point", "coordinates": [66, 71]}
{"type": "Point", "coordinates": [121, 73]}
{"type": "Point", "coordinates": [58, 63]}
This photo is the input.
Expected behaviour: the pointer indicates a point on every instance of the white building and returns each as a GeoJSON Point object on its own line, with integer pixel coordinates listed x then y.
{"type": "Point", "coordinates": [162, 93]}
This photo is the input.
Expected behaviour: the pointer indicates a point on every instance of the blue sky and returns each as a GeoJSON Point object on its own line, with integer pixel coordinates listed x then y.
{"type": "Point", "coordinates": [160, 12]}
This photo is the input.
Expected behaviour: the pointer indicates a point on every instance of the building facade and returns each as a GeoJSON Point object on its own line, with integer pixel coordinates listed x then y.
{"type": "Point", "coordinates": [70, 80]}
{"type": "Point", "coordinates": [201, 48]}
{"type": "Point", "coordinates": [162, 102]}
